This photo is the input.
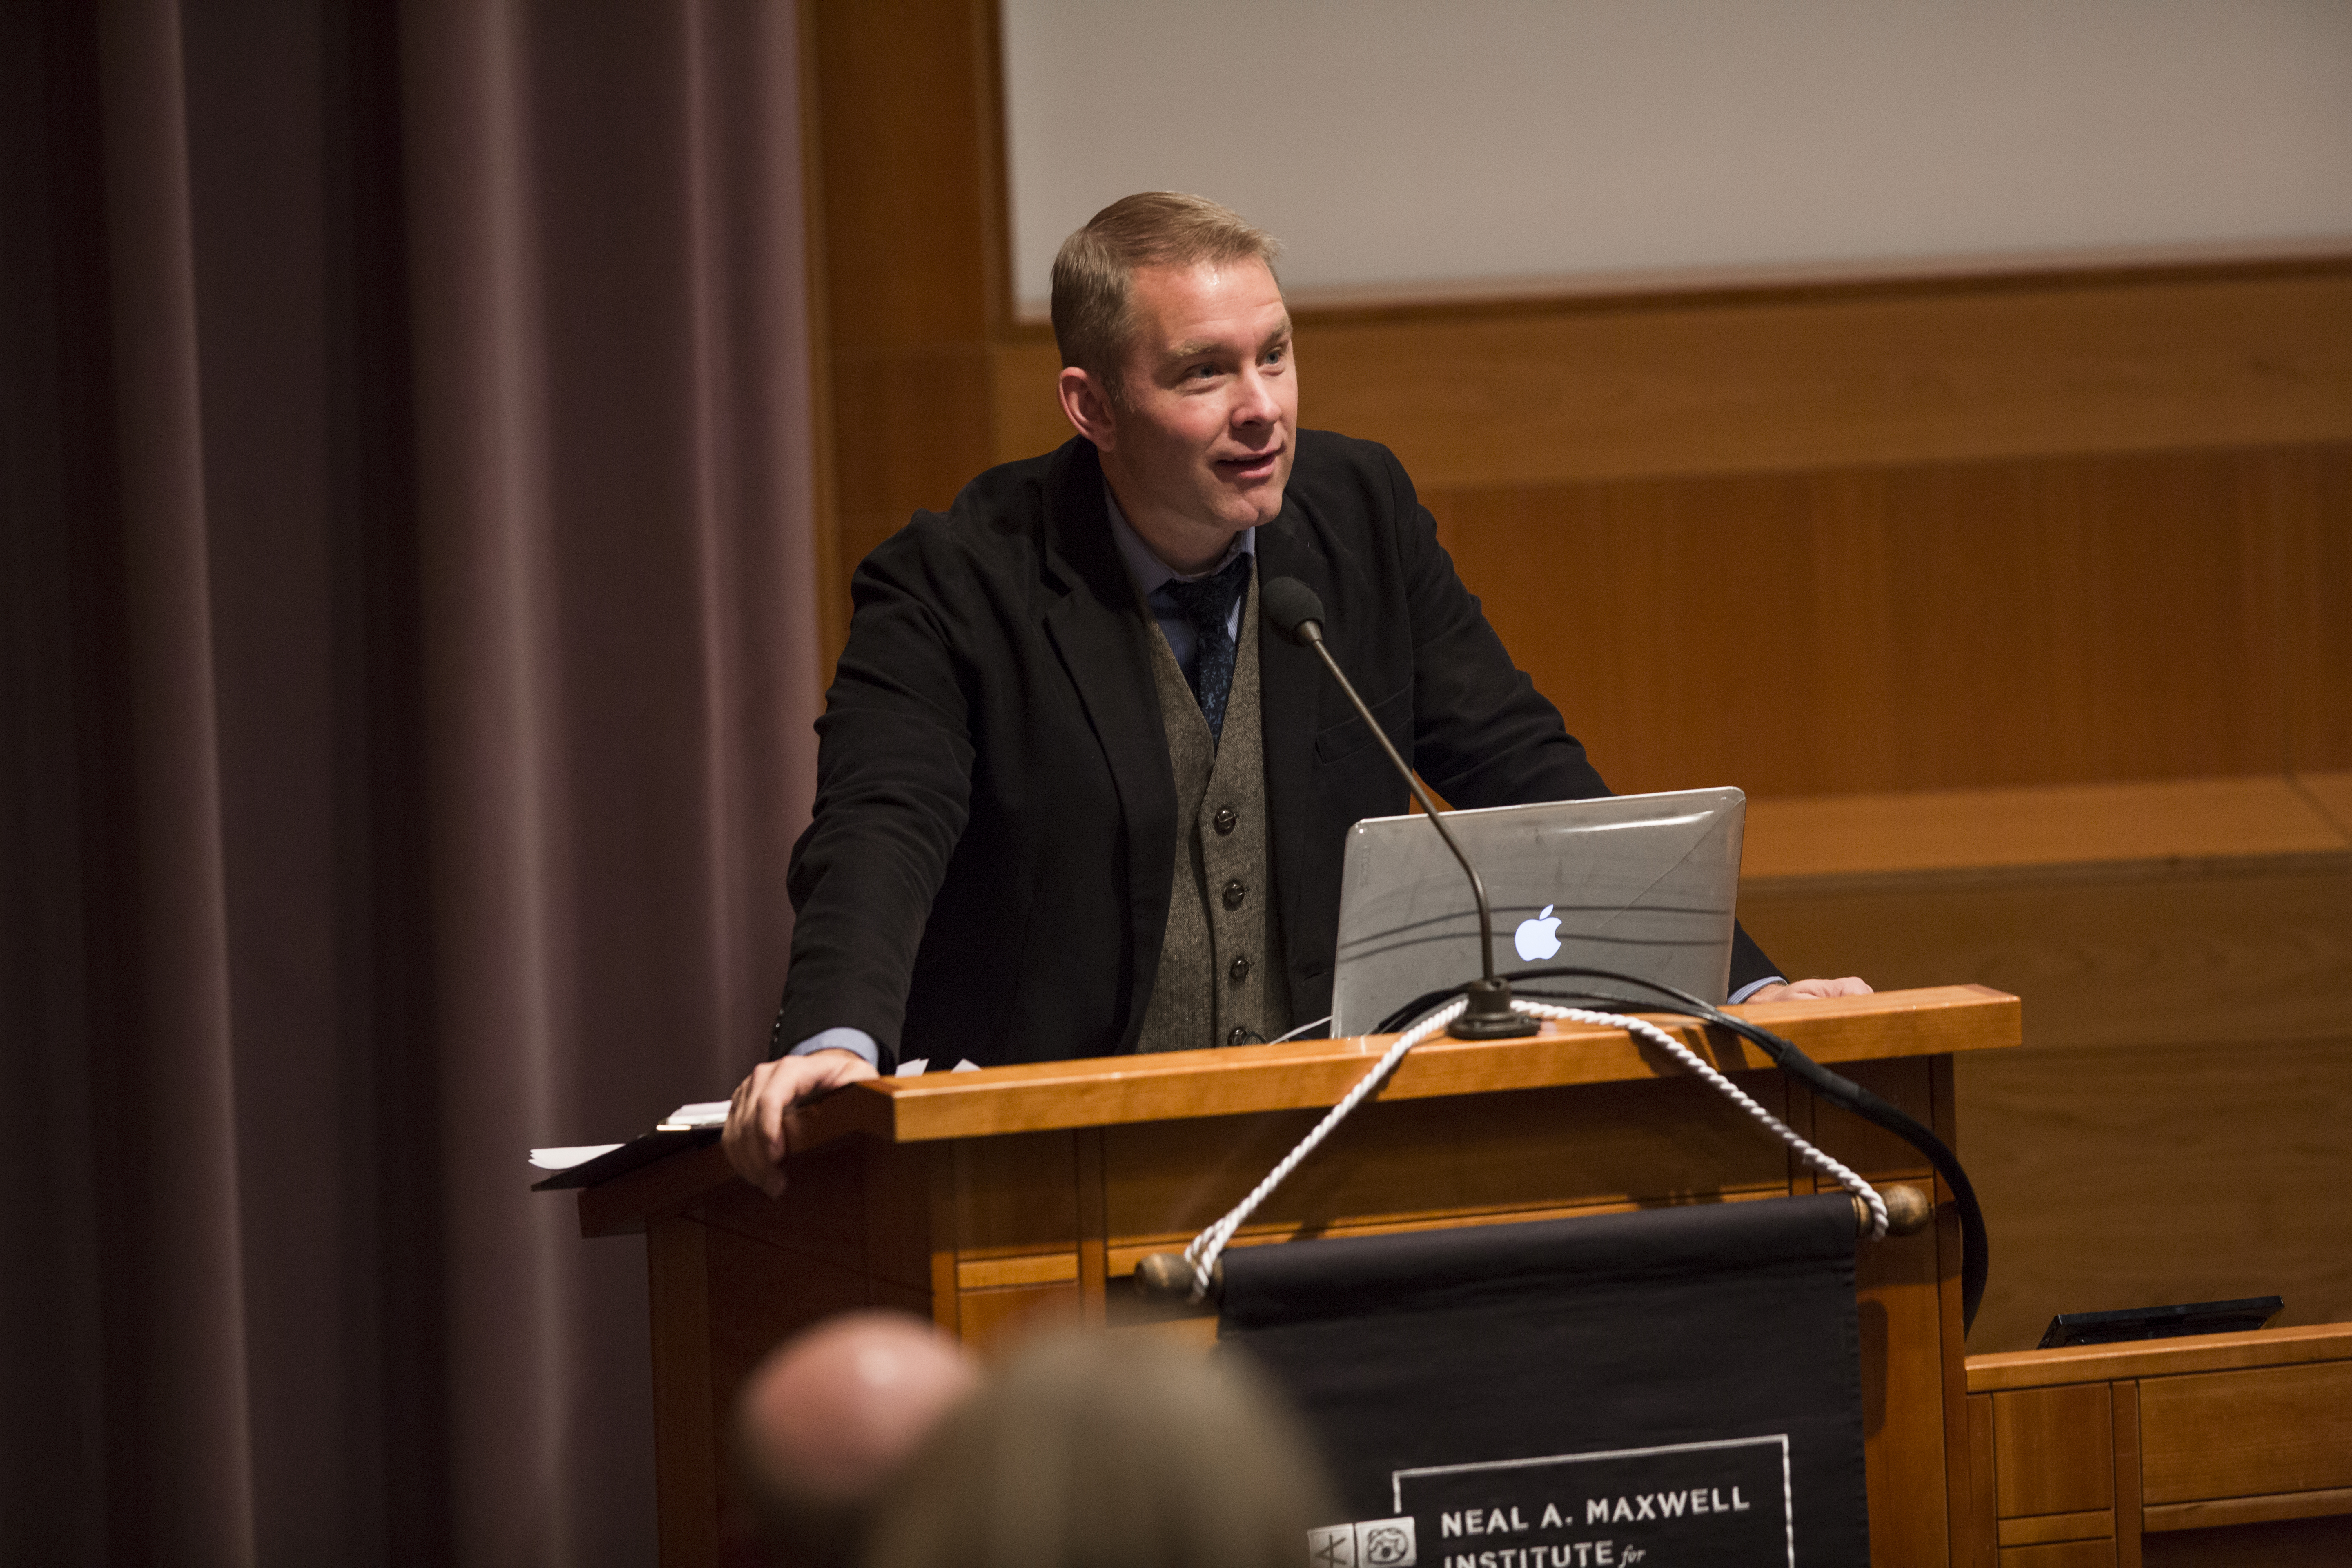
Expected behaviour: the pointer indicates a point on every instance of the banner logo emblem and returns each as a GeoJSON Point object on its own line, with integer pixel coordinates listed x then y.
{"type": "Point", "coordinates": [1370, 1543]}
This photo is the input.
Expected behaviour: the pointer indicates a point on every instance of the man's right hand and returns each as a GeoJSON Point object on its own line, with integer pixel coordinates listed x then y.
{"type": "Point", "coordinates": [759, 1121]}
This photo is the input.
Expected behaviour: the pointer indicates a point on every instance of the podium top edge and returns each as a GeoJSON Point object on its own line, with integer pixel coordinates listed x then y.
{"type": "Point", "coordinates": [1311, 1075]}
{"type": "Point", "coordinates": [1091, 1091]}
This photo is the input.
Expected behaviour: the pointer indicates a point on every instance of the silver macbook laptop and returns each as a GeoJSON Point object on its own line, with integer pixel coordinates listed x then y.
{"type": "Point", "coordinates": [1641, 884]}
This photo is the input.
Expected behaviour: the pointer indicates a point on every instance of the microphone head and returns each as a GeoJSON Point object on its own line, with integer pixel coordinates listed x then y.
{"type": "Point", "coordinates": [1292, 606]}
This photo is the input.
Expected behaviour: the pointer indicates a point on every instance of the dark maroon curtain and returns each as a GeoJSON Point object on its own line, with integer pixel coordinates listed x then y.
{"type": "Point", "coordinates": [407, 674]}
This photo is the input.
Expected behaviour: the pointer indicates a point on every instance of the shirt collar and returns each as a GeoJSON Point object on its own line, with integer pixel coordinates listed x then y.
{"type": "Point", "coordinates": [1150, 572]}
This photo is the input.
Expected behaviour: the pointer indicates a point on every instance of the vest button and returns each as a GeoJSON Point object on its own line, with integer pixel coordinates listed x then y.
{"type": "Point", "coordinates": [1234, 894]}
{"type": "Point", "coordinates": [1237, 1035]}
{"type": "Point", "coordinates": [1239, 969]}
{"type": "Point", "coordinates": [1227, 819]}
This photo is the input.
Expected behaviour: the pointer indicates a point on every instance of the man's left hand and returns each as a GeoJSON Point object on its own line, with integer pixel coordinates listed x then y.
{"type": "Point", "coordinates": [1798, 989]}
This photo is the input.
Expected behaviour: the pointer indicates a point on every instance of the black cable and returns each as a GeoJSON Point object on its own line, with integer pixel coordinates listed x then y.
{"type": "Point", "coordinates": [1784, 1054]}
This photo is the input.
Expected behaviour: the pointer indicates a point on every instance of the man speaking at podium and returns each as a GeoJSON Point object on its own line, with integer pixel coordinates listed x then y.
{"type": "Point", "coordinates": [1071, 800]}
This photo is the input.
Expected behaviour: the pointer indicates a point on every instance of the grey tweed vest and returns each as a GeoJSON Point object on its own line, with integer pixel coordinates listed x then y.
{"type": "Point", "coordinates": [1220, 980]}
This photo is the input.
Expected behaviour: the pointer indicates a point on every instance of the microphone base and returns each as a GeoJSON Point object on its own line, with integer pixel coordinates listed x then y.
{"type": "Point", "coordinates": [1489, 1016]}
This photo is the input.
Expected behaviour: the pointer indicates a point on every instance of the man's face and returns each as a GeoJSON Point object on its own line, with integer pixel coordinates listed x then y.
{"type": "Point", "coordinates": [1202, 438]}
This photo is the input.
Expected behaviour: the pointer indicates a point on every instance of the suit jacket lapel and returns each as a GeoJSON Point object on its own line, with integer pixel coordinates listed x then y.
{"type": "Point", "coordinates": [1290, 680]}
{"type": "Point", "coordinates": [1096, 629]}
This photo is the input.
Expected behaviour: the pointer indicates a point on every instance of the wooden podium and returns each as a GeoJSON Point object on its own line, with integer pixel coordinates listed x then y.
{"type": "Point", "coordinates": [995, 1200]}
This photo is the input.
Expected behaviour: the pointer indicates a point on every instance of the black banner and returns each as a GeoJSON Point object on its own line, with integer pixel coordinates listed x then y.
{"type": "Point", "coordinates": [1676, 1388]}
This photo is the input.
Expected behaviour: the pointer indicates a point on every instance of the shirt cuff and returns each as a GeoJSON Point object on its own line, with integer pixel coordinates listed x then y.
{"type": "Point", "coordinates": [1736, 998]}
{"type": "Point", "coordinates": [857, 1042]}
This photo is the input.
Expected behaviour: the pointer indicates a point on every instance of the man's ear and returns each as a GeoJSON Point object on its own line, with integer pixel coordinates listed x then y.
{"type": "Point", "coordinates": [1088, 407]}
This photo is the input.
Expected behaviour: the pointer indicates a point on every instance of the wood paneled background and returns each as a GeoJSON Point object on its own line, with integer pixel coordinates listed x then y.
{"type": "Point", "coordinates": [1837, 546]}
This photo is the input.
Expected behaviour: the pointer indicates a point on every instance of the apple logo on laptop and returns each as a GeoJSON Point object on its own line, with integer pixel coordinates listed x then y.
{"type": "Point", "coordinates": [1538, 937]}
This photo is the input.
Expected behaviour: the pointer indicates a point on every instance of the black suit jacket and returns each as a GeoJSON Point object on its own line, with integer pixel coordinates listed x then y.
{"type": "Point", "coordinates": [988, 870]}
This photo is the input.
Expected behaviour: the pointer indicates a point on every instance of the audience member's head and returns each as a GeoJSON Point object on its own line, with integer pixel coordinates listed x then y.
{"type": "Point", "coordinates": [1089, 1451]}
{"type": "Point", "coordinates": [830, 1417]}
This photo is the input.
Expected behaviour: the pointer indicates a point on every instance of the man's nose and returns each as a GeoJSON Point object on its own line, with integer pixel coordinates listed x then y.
{"type": "Point", "coordinates": [1254, 401]}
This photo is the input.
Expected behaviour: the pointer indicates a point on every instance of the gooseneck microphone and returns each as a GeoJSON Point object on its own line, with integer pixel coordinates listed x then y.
{"type": "Point", "coordinates": [1297, 615]}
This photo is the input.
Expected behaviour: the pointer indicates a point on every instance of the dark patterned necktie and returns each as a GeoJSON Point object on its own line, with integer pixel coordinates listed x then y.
{"type": "Point", "coordinates": [1209, 602]}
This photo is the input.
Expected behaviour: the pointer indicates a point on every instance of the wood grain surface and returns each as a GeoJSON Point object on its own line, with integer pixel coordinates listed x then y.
{"type": "Point", "coordinates": [2072, 1554]}
{"type": "Point", "coordinates": [686, 1439]}
{"type": "Point", "coordinates": [1441, 1161]}
{"type": "Point", "coordinates": [1897, 1303]}
{"type": "Point", "coordinates": [2170, 1173]}
{"type": "Point", "coordinates": [1053, 1096]}
{"type": "Point", "coordinates": [2126, 955]}
{"type": "Point", "coordinates": [2222, 1437]}
{"type": "Point", "coordinates": [2051, 1451]}
{"type": "Point", "coordinates": [2259, 1432]}
{"type": "Point", "coordinates": [2185, 1016]}
{"type": "Point", "coordinates": [1984, 1544]}
{"type": "Point", "coordinates": [1930, 625]}
{"type": "Point", "coordinates": [2160, 1358]}
{"type": "Point", "coordinates": [1943, 626]}
{"type": "Point", "coordinates": [2264, 1509]}
{"type": "Point", "coordinates": [1121, 1259]}
{"type": "Point", "coordinates": [906, 217]}
{"type": "Point", "coordinates": [2042, 1529]}
{"type": "Point", "coordinates": [2038, 827]}
{"type": "Point", "coordinates": [2295, 1544]}
{"type": "Point", "coordinates": [1315, 1073]}
{"type": "Point", "coordinates": [2130, 1496]}
{"type": "Point", "coordinates": [2331, 792]}
{"type": "Point", "coordinates": [1017, 1194]}
{"type": "Point", "coordinates": [1547, 392]}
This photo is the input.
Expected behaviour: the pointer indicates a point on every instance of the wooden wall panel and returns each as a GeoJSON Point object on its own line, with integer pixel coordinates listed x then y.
{"type": "Point", "coordinates": [905, 453]}
{"type": "Point", "coordinates": [1928, 627]}
{"type": "Point", "coordinates": [2149, 578]}
{"type": "Point", "coordinates": [2201, 821]}
{"type": "Point", "coordinates": [2293, 1543]}
{"type": "Point", "coordinates": [2331, 795]}
{"type": "Point", "coordinates": [908, 149]}
{"type": "Point", "coordinates": [2268, 1430]}
{"type": "Point", "coordinates": [1561, 391]}
{"type": "Point", "coordinates": [2141, 1177]}
{"type": "Point", "coordinates": [2066, 1431]}
{"type": "Point", "coordinates": [905, 225]}
{"type": "Point", "coordinates": [2318, 623]}
{"type": "Point", "coordinates": [1016, 1195]}
{"type": "Point", "coordinates": [2171, 1131]}
{"type": "Point", "coordinates": [1551, 392]}
{"type": "Point", "coordinates": [2070, 1554]}
{"type": "Point", "coordinates": [2223, 957]}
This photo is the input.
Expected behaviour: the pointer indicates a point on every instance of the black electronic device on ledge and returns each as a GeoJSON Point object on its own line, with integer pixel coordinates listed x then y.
{"type": "Point", "coordinates": [2161, 1322]}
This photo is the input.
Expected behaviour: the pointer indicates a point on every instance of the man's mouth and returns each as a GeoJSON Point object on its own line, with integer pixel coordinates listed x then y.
{"type": "Point", "coordinates": [1258, 466]}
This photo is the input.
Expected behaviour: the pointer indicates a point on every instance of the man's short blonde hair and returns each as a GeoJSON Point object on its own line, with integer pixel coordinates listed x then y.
{"type": "Point", "coordinates": [1095, 272]}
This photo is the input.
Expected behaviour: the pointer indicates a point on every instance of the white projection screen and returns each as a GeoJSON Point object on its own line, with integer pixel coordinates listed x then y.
{"type": "Point", "coordinates": [1427, 149]}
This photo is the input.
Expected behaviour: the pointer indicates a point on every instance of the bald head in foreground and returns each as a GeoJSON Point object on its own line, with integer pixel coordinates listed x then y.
{"type": "Point", "coordinates": [831, 1416]}
{"type": "Point", "coordinates": [1092, 1450]}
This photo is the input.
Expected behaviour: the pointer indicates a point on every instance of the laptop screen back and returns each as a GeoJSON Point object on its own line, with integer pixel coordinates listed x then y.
{"type": "Point", "coordinates": [1641, 884]}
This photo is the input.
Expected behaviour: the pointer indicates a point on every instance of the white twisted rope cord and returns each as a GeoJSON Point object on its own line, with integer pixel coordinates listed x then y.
{"type": "Point", "coordinates": [1207, 1247]}
{"type": "Point", "coordinates": [1828, 1167]}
